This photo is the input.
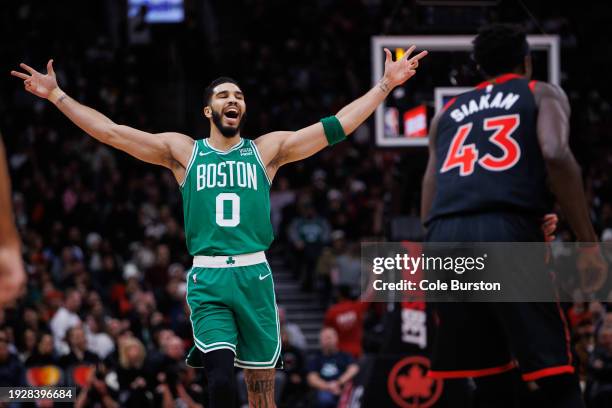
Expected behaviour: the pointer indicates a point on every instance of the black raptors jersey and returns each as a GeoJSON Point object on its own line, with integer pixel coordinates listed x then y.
{"type": "Point", "coordinates": [487, 152]}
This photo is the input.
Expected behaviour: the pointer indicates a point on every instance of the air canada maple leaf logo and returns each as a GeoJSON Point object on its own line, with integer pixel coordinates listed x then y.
{"type": "Point", "coordinates": [409, 386]}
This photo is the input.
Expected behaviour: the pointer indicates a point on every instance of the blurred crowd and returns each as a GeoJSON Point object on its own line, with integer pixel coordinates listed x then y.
{"type": "Point", "coordinates": [104, 248]}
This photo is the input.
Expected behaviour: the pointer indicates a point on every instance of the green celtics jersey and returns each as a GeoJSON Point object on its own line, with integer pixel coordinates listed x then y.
{"type": "Point", "coordinates": [226, 200]}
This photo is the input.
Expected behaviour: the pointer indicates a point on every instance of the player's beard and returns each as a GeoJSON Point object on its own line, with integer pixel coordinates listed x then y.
{"type": "Point", "coordinates": [227, 131]}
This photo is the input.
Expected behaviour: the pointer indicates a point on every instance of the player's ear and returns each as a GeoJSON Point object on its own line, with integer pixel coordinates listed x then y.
{"type": "Point", "coordinates": [207, 112]}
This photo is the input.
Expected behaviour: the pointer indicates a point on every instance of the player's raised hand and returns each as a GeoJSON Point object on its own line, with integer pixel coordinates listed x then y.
{"type": "Point", "coordinates": [37, 83]}
{"type": "Point", "coordinates": [398, 72]}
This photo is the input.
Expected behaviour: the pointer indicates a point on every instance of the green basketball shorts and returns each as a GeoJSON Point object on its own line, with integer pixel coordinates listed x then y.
{"type": "Point", "coordinates": [233, 307]}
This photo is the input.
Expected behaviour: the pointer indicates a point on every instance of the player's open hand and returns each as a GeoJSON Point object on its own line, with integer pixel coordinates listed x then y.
{"type": "Point", "coordinates": [36, 83]}
{"type": "Point", "coordinates": [549, 226]}
{"type": "Point", "coordinates": [592, 268]}
{"type": "Point", "coordinates": [398, 72]}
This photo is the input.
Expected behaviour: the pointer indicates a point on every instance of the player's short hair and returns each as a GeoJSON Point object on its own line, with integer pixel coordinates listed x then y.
{"type": "Point", "coordinates": [500, 48]}
{"type": "Point", "coordinates": [208, 92]}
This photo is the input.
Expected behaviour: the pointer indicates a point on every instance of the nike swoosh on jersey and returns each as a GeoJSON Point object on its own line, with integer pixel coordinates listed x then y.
{"type": "Point", "coordinates": [204, 153]}
{"type": "Point", "coordinates": [265, 276]}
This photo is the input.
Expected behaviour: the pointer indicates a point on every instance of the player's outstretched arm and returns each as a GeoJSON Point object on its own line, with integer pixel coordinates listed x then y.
{"type": "Point", "coordinates": [278, 148]}
{"type": "Point", "coordinates": [171, 150]}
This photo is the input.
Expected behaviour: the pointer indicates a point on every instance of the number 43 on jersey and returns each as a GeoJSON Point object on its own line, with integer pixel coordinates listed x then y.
{"type": "Point", "coordinates": [465, 156]}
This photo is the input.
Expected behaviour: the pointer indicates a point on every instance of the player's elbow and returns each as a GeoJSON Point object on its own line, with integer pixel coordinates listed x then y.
{"type": "Point", "coordinates": [556, 154]}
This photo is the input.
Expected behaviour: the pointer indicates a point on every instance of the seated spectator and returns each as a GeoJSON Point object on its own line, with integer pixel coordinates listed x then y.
{"type": "Point", "coordinates": [27, 343]}
{"type": "Point", "coordinates": [294, 332]}
{"type": "Point", "coordinates": [65, 318]}
{"type": "Point", "coordinates": [348, 269]}
{"type": "Point", "coordinates": [327, 268]}
{"type": "Point", "coordinates": [189, 389]}
{"type": "Point", "coordinates": [133, 381]}
{"type": "Point", "coordinates": [140, 318]}
{"type": "Point", "coordinates": [44, 353]}
{"type": "Point", "coordinates": [78, 354]}
{"type": "Point", "coordinates": [175, 382]}
{"type": "Point", "coordinates": [346, 317]}
{"type": "Point", "coordinates": [12, 371]}
{"type": "Point", "coordinates": [95, 392]}
{"type": "Point", "coordinates": [172, 359]}
{"type": "Point", "coordinates": [98, 341]}
{"type": "Point", "coordinates": [583, 337]}
{"type": "Point", "coordinates": [42, 367]}
{"type": "Point", "coordinates": [330, 370]}
{"type": "Point", "coordinates": [599, 392]}
{"type": "Point", "coordinates": [294, 370]}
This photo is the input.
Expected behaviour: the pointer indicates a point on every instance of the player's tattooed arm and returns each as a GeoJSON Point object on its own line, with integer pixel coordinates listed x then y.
{"type": "Point", "coordinates": [428, 190]}
{"type": "Point", "coordinates": [260, 388]}
{"type": "Point", "coordinates": [278, 148]}
{"type": "Point", "coordinates": [170, 149]}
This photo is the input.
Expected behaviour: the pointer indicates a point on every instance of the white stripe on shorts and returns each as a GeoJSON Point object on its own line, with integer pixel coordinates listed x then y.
{"type": "Point", "coordinates": [229, 261]}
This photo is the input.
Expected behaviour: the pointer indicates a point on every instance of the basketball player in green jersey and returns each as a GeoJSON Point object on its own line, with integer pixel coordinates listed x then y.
{"type": "Point", "coordinates": [225, 183]}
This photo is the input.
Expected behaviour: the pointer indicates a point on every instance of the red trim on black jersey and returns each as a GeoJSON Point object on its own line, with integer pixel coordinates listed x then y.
{"type": "Point", "coordinates": [449, 103]}
{"type": "Point", "coordinates": [498, 80]}
{"type": "Point", "coordinates": [532, 85]}
{"type": "Point", "coordinates": [566, 331]}
{"type": "Point", "coordinates": [483, 372]}
{"type": "Point", "coordinates": [548, 372]}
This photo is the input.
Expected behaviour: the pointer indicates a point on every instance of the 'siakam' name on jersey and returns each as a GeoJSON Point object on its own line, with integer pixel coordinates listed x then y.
{"type": "Point", "coordinates": [226, 174]}
{"type": "Point", "coordinates": [499, 101]}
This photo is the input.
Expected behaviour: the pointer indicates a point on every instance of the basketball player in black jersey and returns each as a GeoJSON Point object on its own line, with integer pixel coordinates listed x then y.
{"type": "Point", "coordinates": [493, 153]}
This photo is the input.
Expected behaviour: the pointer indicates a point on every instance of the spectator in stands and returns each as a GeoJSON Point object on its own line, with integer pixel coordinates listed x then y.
{"type": "Point", "coordinates": [308, 234]}
{"type": "Point", "coordinates": [98, 341]}
{"type": "Point", "coordinates": [330, 370]}
{"type": "Point", "coordinates": [189, 390]}
{"type": "Point", "coordinates": [95, 393]}
{"type": "Point", "coordinates": [78, 355]}
{"type": "Point", "coordinates": [584, 341]}
{"type": "Point", "coordinates": [600, 368]}
{"type": "Point", "coordinates": [26, 343]}
{"type": "Point", "coordinates": [140, 319]}
{"type": "Point", "coordinates": [348, 266]}
{"type": "Point", "coordinates": [12, 371]}
{"type": "Point", "coordinates": [294, 372]}
{"type": "Point", "coordinates": [44, 353]}
{"type": "Point", "coordinates": [295, 336]}
{"type": "Point", "coordinates": [346, 318]}
{"type": "Point", "coordinates": [65, 318]}
{"type": "Point", "coordinates": [327, 266]}
{"type": "Point", "coordinates": [175, 381]}
{"type": "Point", "coordinates": [280, 197]}
{"type": "Point", "coordinates": [135, 384]}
